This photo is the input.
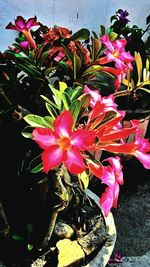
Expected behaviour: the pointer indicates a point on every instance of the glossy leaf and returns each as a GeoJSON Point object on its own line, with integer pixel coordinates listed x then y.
{"type": "Point", "coordinates": [83, 180]}
{"type": "Point", "coordinates": [36, 165]}
{"type": "Point", "coordinates": [62, 86]}
{"type": "Point", "coordinates": [139, 66]}
{"type": "Point", "coordinates": [49, 101]}
{"type": "Point", "coordinates": [95, 48]}
{"type": "Point", "coordinates": [82, 34]}
{"type": "Point", "coordinates": [76, 65]}
{"type": "Point", "coordinates": [27, 132]}
{"type": "Point", "coordinates": [51, 111]}
{"type": "Point", "coordinates": [75, 110]}
{"type": "Point", "coordinates": [66, 100]}
{"type": "Point", "coordinates": [92, 69]}
{"type": "Point", "coordinates": [35, 120]}
{"type": "Point", "coordinates": [30, 246]}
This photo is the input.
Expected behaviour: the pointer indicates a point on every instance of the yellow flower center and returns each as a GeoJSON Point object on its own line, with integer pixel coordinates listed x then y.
{"type": "Point", "coordinates": [116, 54]}
{"type": "Point", "coordinates": [64, 143]}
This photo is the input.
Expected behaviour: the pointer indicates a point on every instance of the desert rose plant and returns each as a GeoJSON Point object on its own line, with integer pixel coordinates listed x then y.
{"type": "Point", "coordinates": [65, 88]}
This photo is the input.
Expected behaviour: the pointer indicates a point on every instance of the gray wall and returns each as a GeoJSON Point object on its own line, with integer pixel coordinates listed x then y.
{"type": "Point", "coordinates": [73, 14]}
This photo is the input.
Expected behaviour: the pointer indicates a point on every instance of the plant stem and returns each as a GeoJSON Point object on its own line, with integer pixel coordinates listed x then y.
{"type": "Point", "coordinates": [50, 229]}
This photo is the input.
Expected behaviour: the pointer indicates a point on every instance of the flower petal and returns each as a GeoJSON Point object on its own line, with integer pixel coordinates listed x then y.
{"type": "Point", "coordinates": [44, 137]}
{"type": "Point", "coordinates": [106, 200]}
{"type": "Point", "coordinates": [63, 123]}
{"type": "Point", "coordinates": [83, 139]}
{"type": "Point", "coordinates": [52, 157]}
{"type": "Point", "coordinates": [74, 161]}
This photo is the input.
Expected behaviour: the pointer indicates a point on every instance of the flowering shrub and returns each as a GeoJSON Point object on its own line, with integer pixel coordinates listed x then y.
{"type": "Point", "coordinates": [65, 86]}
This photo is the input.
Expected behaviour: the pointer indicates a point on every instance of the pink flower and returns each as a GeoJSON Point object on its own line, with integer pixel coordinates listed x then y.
{"type": "Point", "coordinates": [106, 102]}
{"type": "Point", "coordinates": [116, 52]}
{"type": "Point", "coordinates": [113, 178]}
{"type": "Point", "coordinates": [62, 145]}
{"type": "Point", "coordinates": [24, 26]}
{"type": "Point", "coordinates": [142, 150]}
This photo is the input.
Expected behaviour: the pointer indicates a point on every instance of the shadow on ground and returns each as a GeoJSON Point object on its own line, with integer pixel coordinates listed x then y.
{"type": "Point", "coordinates": [132, 217]}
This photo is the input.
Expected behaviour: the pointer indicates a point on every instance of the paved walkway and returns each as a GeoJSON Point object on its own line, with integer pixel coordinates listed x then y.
{"type": "Point", "coordinates": [136, 261]}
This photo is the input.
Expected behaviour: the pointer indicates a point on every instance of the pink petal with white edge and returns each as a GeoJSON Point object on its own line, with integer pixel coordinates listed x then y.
{"type": "Point", "coordinates": [52, 157]}
{"type": "Point", "coordinates": [63, 123]}
{"type": "Point", "coordinates": [44, 137]}
{"type": "Point", "coordinates": [74, 162]}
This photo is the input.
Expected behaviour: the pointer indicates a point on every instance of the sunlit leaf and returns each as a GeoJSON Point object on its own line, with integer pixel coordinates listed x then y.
{"type": "Point", "coordinates": [66, 100]}
{"type": "Point", "coordinates": [35, 120]}
{"type": "Point", "coordinates": [62, 86]}
{"type": "Point", "coordinates": [75, 110]}
{"type": "Point", "coordinates": [92, 69]}
{"type": "Point", "coordinates": [139, 66]}
{"type": "Point", "coordinates": [27, 132]}
{"type": "Point", "coordinates": [83, 180]}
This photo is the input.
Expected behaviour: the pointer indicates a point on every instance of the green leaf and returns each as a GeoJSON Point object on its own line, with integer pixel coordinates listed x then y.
{"type": "Point", "coordinates": [95, 35]}
{"type": "Point", "coordinates": [82, 34]}
{"type": "Point", "coordinates": [30, 247]}
{"type": "Point", "coordinates": [36, 165]}
{"type": "Point", "coordinates": [51, 111]}
{"type": "Point", "coordinates": [113, 18]}
{"type": "Point", "coordinates": [57, 97]}
{"type": "Point", "coordinates": [113, 35]}
{"type": "Point", "coordinates": [43, 56]}
{"type": "Point", "coordinates": [62, 86]}
{"type": "Point", "coordinates": [76, 65]}
{"type": "Point", "coordinates": [30, 69]}
{"type": "Point", "coordinates": [35, 120]}
{"type": "Point", "coordinates": [76, 92]}
{"type": "Point", "coordinates": [92, 69]}
{"type": "Point", "coordinates": [102, 29]}
{"type": "Point", "coordinates": [65, 67]}
{"type": "Point", "coordinates": [49, 101]}
{"type": "Point", "coordinates": [139, 66]}
{"type": "Point", "coordinates": [27, 132]}
{"type": "Point", "coordinates": [49, 121]}
{"type": "Point", "coordinates": [48, 70]}
{"type": "Point", "coordinates": [17, 238]}
{"type": "Point", "coordinates": [75, 110]}
{"type": "Point", "coordinates": [66, 100]}
{"type": "Point", "coordinates": [95, 48]}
